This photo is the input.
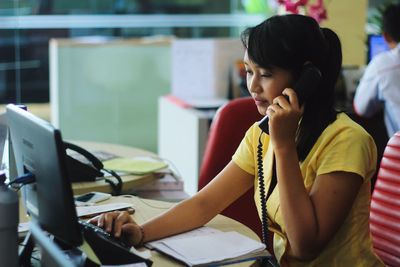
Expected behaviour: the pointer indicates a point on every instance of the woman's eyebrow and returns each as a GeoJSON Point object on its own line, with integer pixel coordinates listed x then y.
{"type": "Point", "coordinates": [269, 69]}
{"type": "Point", "coordinates": [247, 63]}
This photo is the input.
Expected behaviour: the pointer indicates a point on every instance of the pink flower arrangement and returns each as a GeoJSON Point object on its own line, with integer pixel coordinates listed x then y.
{"type": "Point", "coordinates": [316, 10]}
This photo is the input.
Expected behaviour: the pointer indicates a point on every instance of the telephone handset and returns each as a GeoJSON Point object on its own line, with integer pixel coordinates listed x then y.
{"type": "Point", "coordinates": [308, 81]}
{"type": "Point", "coordinates": [80, 171]}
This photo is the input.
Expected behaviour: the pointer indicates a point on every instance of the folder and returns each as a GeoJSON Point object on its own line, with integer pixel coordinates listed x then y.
{"type": "Point", "coordinates": [134, 166]}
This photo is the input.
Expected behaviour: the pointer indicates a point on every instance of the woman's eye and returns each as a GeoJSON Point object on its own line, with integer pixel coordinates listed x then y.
{"type": "Point", "coordinates": [249, 72]}
{"type": "Point", "coordinates": [266, 75]}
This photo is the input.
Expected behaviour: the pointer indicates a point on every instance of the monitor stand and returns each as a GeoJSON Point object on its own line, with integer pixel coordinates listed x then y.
{"type": "Point", "coordinates": [76, 256]}
{"type": "Point", "coordinates": [25, 254]}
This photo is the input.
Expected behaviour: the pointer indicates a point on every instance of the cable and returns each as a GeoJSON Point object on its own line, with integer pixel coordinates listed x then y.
{"type": "Point", "coordinates": [263, 199]}
{"type": "Point", "coordinates": [24, 179]}
{"type": "Point", "coordinates": [116, 187]}
{"type": "Point", "coordinates": [152, 206]}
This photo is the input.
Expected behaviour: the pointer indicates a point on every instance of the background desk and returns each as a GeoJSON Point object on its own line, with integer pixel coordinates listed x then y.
{"type": "Point", "coordinates": [148, 185]}
{"type": "Point", "coordinates": [129, 181]}
{"type": "Point", "coordinates": [147, 209]}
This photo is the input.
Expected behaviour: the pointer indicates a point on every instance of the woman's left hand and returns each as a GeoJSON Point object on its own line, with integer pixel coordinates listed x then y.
{"type": "Point", "coordinates": [284, 116]}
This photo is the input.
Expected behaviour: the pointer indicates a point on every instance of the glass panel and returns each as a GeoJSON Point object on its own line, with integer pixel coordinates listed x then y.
{"type": "Point", "coordinates": [26, 26]}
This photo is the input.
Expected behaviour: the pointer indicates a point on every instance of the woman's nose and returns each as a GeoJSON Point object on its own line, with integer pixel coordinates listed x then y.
{"type": "Point", "coordinates": [254, 85]}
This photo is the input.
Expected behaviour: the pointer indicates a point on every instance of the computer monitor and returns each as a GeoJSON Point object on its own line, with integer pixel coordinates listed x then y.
{"type": "Point", "coordinates": [376, 45]}
{"type": "Point", "coordinates": [51, 254]}
{"type": "Point", "coordinates": [39, 149]}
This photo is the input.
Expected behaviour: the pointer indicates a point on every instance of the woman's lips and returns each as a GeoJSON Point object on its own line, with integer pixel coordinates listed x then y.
{"type": "Point", "coordinates": [260, 102]}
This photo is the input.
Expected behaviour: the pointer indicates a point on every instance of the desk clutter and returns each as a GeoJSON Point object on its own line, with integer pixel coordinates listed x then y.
{"type": "Point", "coordinates": [59, 228]}
{"type": "Point", "coordinates": [205, 246]}
{"type": "Point", "coordinates": [123, 165]}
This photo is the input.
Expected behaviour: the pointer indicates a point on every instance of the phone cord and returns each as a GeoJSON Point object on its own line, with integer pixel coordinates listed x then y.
{"type": "Point", "coordinates": [116, 187]}
{"type": "Point", "coordinates": [263, 200]}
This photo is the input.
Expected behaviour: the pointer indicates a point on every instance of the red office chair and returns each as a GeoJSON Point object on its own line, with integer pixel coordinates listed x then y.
{"type": "Point", "coordinates": [227, 130]}
{"type": "Point", "coordinates": [385, 205]}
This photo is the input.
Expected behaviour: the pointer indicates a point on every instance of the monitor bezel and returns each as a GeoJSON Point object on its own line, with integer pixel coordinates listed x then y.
{"type": "Point", "coordinates": [39, 148]}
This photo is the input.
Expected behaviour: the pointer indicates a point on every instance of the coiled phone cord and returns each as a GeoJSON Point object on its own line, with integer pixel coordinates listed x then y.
{"type": "Point", "coordinates": [264, 220]}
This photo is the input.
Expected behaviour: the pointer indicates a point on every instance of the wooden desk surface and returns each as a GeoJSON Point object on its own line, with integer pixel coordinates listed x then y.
{"type": "Point", "coordinates": [129, 181]}
{"type": "Point", "coordinates": [146, 209]}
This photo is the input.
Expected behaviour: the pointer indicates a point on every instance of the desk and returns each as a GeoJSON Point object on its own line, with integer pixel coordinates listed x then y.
{"type": "Point", "coordinates": [129, 181]}
{"type": "Point", "coordinates": [147, 209]}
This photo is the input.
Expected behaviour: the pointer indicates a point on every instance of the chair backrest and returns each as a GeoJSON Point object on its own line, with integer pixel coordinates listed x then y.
{"type": "Point", "coordinates": [227, 130]}
{"type": "Point", "coordinates": [385, 205]}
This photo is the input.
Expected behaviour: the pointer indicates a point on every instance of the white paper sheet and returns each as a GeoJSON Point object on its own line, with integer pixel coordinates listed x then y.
{"type": "Point", "coordinates": [97, 209]}
{"type": "Point", "coordinates": [206, 245]}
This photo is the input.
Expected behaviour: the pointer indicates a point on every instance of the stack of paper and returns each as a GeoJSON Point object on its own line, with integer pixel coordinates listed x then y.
{"type": "Point", "coordinates": [206, 246]}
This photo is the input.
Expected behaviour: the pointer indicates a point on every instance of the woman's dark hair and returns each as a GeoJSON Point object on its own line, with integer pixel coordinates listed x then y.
{"type": "Point", "coordinates": [288, 42]}
{"type": "Point", "coordinates": [391, 21]}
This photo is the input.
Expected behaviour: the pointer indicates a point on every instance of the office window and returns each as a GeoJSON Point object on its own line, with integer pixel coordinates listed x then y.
{"type": "Point", "coordinates": [26, 26]}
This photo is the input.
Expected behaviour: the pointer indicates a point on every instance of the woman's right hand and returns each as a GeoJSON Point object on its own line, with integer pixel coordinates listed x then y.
{"type": "Point", "coordinates": [121, 225]}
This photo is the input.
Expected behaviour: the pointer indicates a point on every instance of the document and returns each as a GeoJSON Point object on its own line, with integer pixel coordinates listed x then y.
{"type": "Point", "coordinates": [134, 165]}
{"type": "Point", "coordinates": [208, 246]}
{"type": "Point", "coordinates": [83, 211]}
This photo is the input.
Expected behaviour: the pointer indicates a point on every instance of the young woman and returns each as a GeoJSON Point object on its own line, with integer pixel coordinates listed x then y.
{"type": "Point", "coordinates": [319, 208]}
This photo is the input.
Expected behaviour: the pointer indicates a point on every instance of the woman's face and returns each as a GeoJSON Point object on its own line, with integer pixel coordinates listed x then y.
{"type": "Point", "coordinates": [265, 84]}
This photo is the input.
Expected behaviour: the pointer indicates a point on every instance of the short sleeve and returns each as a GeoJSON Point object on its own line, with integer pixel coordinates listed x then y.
{"type": "Point", "coordinates": [351, 150]}
{"type": "Point", "coordinates": [245, 154]}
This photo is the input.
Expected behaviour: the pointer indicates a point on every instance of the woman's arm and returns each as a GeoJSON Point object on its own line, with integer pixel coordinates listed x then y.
{"type": "Point", "coordinates": [312, 219]}
{"type": "Point", "coordinates": [194, 212]}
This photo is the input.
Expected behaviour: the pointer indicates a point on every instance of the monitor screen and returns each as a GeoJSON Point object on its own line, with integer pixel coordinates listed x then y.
{"type": "Point", "coordinates": [376, 45]}
{"type": "Point", "coordinates": [39, 149]}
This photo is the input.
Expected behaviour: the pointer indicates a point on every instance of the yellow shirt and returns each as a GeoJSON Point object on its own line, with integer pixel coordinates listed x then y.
{"type": "Point", "coordinates": [343, 146]}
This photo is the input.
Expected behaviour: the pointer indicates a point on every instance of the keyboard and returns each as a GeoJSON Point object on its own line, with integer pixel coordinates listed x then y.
{"type": "Point", "coordinates": [101, 233]}
{"type": "Point", "coordinates": [108, 249]}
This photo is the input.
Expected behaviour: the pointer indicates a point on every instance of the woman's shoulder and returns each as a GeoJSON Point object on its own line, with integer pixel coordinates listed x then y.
{"type": "Point", "coordinates": [254, 133]}
{"type": "Point", "coordinates": [345, 127]}
{"type": "Point", "coordinates": [254, 130]}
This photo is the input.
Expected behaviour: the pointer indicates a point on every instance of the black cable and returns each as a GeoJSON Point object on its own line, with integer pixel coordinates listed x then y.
{"type": "Point", "coordinates": [24, 179]}
{"type": "Point", "coordinates": [116, 187]}
{"type": "Point", "coordinates": [263, 200]}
